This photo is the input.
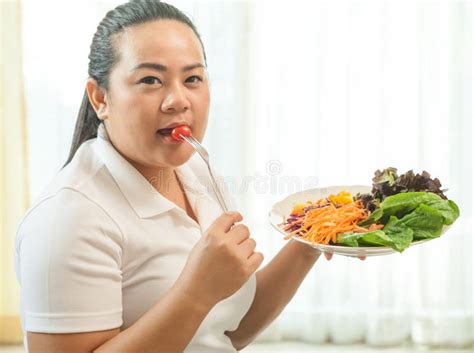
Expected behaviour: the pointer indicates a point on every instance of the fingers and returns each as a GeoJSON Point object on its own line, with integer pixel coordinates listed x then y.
{"type": "Point", "coordinates": [226, 220]}
{"type": "Point", "coordinates": [240, 236]}
{"type": "Point", "coordinates": [247, 247]}
{"type": "Point", "coordinates": [255, 260]}
{"type": "Point", "coordinates": [239, 233]}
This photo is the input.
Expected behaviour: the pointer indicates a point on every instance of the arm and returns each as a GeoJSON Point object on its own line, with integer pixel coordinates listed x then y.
{"type": "Point", "coordinates": [276, 285]}
{"type": "Point", "coordinates": [167, 327]}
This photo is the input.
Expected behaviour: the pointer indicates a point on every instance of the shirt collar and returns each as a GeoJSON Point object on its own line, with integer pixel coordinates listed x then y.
{"type": "Point", "coordinates": [141, 195]}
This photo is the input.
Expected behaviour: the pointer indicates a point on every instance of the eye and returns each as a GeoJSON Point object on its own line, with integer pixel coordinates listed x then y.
{"type": "Point", "coordinates": [149, 80]}
{"type": "Point", "coordinates": [194, 79]}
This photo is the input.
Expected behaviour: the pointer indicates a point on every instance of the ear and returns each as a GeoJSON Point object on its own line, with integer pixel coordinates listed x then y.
{"type": "Point", "coordinates": [98, 99]}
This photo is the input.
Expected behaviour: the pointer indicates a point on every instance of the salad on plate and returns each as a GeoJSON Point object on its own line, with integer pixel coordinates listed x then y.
{"type": "Point", "coordinates": [397, 211]}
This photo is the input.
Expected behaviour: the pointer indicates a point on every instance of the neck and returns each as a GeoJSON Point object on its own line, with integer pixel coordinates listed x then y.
{"type": "Point", "coordinates": [163, 179]}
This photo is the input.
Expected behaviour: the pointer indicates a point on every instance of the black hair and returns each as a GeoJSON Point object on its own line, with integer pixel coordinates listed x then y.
{"type": "Point", "coordinates": [103, 56]}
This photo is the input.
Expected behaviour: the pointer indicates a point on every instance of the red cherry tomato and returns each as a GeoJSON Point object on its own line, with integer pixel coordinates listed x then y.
{"type": "Point", "coordinates": [180, 130]}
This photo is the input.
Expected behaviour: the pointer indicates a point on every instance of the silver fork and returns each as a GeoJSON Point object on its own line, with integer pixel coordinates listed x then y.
{"type": "Point", "coordinates": [205, 156]}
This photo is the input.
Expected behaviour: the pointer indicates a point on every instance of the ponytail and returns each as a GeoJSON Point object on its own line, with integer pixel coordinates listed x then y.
{"type": "Point", "coordinates": [86, 126]}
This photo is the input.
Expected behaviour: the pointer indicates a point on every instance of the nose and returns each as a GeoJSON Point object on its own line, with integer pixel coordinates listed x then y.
{"type": "Point", "coordinates": [175, 100]}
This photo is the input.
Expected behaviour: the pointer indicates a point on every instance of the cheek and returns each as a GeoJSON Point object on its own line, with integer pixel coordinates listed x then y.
{"type": "Point", "coordinates": [126, 120]}
{"type": "Point", "coordinates": [127, 101]}
{"type": "Point", "coordinates": [203, 102]}
{"type": "Point", "coordinates": [202, 114]}
{"type": "Point", "coordinates": [129, 109]}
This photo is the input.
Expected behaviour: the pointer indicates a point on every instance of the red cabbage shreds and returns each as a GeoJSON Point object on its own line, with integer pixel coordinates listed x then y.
{"type": "Point", "coordinates": [293, 228]}
{"type": "Point", "coordinates": [387, 183]}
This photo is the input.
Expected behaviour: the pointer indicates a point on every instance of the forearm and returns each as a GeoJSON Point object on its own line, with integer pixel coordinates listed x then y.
{"type": "Point", "coordinates": [167, 327]}
{"type": "Point", "coordinates": [277, 283]}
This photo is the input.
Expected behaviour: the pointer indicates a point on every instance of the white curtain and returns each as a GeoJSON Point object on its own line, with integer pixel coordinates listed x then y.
{"type": "Point", "coordinates": [306, 94]}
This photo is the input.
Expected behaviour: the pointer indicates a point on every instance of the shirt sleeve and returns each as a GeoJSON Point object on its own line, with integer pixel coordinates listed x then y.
{"type": "Point", "coordinates": [69, 262]}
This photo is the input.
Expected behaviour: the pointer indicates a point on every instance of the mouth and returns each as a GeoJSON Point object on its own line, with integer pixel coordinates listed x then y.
{"type": "Point", "coordinates": [165, 132]}
{"type": "Point", "coordinates": [168, 130]}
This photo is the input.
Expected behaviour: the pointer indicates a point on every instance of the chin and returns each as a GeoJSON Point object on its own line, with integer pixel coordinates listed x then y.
{"type": "Point", "coordinates": [177, 159]}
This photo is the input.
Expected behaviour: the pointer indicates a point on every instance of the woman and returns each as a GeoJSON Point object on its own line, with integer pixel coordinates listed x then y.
{"type": "Point", "coordinates": [125, 251]}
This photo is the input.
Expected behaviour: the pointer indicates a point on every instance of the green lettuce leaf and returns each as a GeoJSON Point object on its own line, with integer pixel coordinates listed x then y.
{"type": "Point", "coordinates": [373, 238]}
{"type": "Point", "coordinates": [403, 203]}
{"type": "Point", "coordinates": [448, 209]}
{"type": "Point", "coordinates": [376, 237]}
{"type": "Point", "coordinates": [426, 222]}
{"type": "Point", "coordinates": [349, 239]}
{"type": "Point", "coordinates": [373, 218]}
{"type": "Point", "coordinates": [401, 234]}
{"type": "Point", "coordinates": [406, 216]}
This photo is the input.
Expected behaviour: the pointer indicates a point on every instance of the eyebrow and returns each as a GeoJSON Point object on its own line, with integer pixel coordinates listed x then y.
{"type": "Point", "coordinates": [161, 67]}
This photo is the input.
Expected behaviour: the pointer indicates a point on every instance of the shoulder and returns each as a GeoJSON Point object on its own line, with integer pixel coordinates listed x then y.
{"type": "Point", "coordinates": [75, 196]}
{"type": "Point", "coordinates": [66, 207]}
{"type": "Point", "coordinates": [83, 170]}
{"type": "Point", "coordinates": [68, 217]}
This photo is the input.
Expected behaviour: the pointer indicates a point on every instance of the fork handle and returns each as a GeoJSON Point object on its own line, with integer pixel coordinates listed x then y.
{"type": "Point", "coordinates": [220, 198]}
{"type": "Point", "coordinates": [205, 157]}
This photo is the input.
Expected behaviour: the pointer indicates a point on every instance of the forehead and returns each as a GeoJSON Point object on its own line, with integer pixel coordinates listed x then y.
{"type": "Point", "coordinates": [168, 42]}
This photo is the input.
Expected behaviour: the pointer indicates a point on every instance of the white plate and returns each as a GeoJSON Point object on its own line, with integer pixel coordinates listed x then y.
{"type": "Point", "coordinates": [282, 209]}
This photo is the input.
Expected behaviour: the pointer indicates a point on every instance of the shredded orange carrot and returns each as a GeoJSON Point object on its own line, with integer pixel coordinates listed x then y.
{"type": "Point", "coordinates": [321, 225]}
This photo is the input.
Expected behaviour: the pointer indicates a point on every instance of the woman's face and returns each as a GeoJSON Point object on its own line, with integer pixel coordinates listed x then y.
{"type": "Point", "coordinates": [160, 81]}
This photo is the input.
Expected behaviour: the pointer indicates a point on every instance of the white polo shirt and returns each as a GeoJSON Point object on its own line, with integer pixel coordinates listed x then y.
{"type": "Point", "coordinates": [100, 246]}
